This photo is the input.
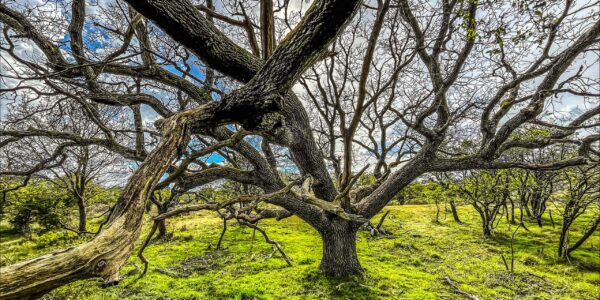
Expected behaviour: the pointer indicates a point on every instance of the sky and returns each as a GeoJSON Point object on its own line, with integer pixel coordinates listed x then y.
{"type": "Point", "coordinates": [97, 39]}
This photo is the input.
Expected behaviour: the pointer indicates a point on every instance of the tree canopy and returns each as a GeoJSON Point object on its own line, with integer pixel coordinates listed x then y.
{"type": "Point", "coordinates": [295, 100]}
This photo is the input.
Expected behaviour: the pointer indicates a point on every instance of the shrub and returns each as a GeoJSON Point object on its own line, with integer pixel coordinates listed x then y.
{"type": "Point", "coordinates": [36, 204]}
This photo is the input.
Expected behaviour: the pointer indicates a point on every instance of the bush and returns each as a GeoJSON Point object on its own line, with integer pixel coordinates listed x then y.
{"type": "Point", "coordinates": [36, 204]}
{"type": "Point", "coordinates": [44, 212]}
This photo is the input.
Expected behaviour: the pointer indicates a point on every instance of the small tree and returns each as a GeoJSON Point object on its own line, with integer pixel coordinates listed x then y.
{"type": "Point", "coordinates": [534, 187]}
{"type": "Point", "coordinates": [40, 203]}
{"type": "Point", "coordinates": [162, 200]}
{"type": "Point", "coordinates": [581, 193]}
{"type": "Point", "coordinates": [487, 191]}
{"type": "Point", "coordinates": [84, 167]}
{"type": "Point", "coordinates": [449, 192]}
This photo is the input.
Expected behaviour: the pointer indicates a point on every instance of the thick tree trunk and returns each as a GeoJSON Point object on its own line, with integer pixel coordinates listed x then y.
{"type": "Point", "coordinates": [187, 26]}
{"type": "Point", "coordinates": [82, 215]}
{"type": "Point", "coordinates": [454, 211]}
{"type": "Point", "coordinates": [339, 250]}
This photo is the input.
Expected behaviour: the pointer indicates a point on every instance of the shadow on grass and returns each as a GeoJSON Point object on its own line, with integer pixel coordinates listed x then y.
{"type": "Point", "coordinates": [351, 287]}
{"type": "Point", "coordinates": [8, 234]}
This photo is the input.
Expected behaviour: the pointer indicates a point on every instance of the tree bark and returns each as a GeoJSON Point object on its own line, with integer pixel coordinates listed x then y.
{"type": "Point", "coordinates": [538, 207]}
{"type": "Point", "coordinates": [562, 241]}
{"type": "Point", "coordinates": [186, 25]}
{"type": "Point", "coordinates": [486, 222]}
{"type": "Point", "coordinates": [162, 229]}
{"type": "Point", "coordinates": [82, 215]}
{"type": "Point", "coordinates": [521, 217]}
{"type": "Point", "coordinates": [538, 219]}
{"type": "Point", "coordinates": [512, 210]}
{"type": "Point", "coordinates": [454, 211]}
{"type": "Point", "coordinates": [161, 224]}
{"type": "Point", "coordinates": [437, 212]}
{"type": "Point", "coordinates": [529, 214]}
{"type": "Point", "coordinates": [487, 231]}
{"type": "Point", "coordinates": [339, 250]}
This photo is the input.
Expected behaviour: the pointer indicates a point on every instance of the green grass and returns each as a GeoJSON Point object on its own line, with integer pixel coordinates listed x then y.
{"type": "Point", "coordinates": [407, 265]}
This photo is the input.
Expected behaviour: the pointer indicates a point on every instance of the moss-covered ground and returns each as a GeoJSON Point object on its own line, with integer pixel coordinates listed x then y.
{"type": "Point", "coordinates": [408, 264]}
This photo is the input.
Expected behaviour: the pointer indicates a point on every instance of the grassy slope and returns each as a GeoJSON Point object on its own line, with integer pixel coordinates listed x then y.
{"type": "Point", "coordinates": [408, 265]}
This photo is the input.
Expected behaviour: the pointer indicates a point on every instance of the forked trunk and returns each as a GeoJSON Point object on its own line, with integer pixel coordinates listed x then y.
{"type": "Point", "coordinates": [339, 250]}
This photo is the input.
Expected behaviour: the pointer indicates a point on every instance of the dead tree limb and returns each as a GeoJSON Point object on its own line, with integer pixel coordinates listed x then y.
{"type": "Point", "coordinates": [268, 240]}
{"type": "Point", "coordinates": [449, 281]}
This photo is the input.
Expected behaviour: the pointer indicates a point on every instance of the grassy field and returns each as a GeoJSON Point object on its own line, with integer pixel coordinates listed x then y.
{"type": "Point", "coordinates": [409, 264]}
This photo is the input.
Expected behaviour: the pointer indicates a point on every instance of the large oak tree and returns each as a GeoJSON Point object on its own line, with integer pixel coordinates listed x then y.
{"type": "Point", "coordinates": [403, 84]}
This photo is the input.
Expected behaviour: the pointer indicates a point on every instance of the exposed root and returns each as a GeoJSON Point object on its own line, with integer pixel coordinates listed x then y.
{"type": "Point", "coordinates": [376, 230]}
{"type": "Point", "coordinates": [144, 245]}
